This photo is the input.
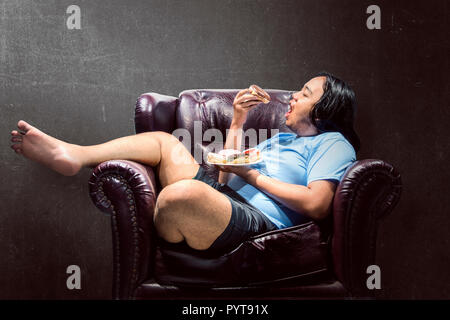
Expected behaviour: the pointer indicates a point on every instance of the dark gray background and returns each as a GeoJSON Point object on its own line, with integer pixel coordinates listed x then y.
{"type": "Point", "coordinates": [81, 86]}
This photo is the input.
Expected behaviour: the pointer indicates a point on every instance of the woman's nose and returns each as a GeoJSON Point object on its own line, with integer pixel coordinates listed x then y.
{"type": "Point", "coordinates": [292, 99]}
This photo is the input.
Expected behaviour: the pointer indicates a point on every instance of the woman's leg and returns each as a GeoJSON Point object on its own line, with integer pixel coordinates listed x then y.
{"type": "Point", "coordinates": [161, 150]}
{"type": "Point", "coordinates": [186, 209]}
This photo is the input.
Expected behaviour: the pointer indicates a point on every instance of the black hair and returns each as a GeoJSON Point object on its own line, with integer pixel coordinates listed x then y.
{"type": "Point", "coordinates": [336, 109]}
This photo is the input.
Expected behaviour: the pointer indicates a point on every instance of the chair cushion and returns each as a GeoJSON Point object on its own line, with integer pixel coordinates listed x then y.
{"type": "Point", "coordinates": [285, 254]}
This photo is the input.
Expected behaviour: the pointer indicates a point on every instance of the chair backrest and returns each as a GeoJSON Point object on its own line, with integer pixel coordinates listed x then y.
{"type": "Point", "coordinates": [200, 119]}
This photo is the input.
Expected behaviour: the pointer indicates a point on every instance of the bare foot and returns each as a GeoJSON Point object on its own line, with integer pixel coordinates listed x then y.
{"type": "Point", "coordinates": [40, 147]}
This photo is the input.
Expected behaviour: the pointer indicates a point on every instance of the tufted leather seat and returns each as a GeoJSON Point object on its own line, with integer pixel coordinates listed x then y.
{"type": "Point", "coordinates": [327, 259]}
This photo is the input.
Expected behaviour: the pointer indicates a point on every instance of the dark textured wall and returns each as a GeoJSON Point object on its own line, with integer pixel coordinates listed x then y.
{"type": "Point", "coordinates": [81, 86]}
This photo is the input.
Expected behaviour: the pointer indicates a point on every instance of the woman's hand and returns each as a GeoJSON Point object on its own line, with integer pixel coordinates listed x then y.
{"type": "Point", "coordinates": [243, 103]}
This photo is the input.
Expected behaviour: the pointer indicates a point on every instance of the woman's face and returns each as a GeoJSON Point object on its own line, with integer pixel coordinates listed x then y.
{"type": "Point", "coordinates": [297, 118]}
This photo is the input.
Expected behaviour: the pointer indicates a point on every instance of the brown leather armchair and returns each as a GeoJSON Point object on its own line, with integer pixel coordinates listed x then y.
{"type": "Point", "coordinates": [314, 260]}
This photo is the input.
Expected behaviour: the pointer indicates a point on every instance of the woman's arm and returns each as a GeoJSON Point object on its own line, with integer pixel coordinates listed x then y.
{"type": "Point", "coordinates": [233, 141]}
{"type": "Point", "coordinates": [242, 104]}
{"type": "Point", "coordinates": [314, 200]}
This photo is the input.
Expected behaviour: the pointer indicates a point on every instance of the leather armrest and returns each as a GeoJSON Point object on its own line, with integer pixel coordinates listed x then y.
{"type": "Point", "coordinates": [127, 191]}
{"type": "Point", "coordinates": [369, 190]}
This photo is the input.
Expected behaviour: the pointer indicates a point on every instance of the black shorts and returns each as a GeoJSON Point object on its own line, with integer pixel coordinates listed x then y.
{"type": "Point", "coordinates": [246, 220]}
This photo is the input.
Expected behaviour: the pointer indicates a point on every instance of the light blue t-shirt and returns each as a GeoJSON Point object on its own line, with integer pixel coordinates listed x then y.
{"type": "Point", "coordinates": [297, 160]}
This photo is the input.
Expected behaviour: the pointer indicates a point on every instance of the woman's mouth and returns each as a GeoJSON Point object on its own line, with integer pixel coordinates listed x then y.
{"type": "Point", "coordinates": [289, 111]}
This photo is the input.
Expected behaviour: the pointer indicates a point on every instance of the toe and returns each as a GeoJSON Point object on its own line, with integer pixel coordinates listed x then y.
{"type": "Point", "coordinates": [16, 133]}
{"type": "Point", "coordinates": [16, 147]}
{"type": "Point", "coordinates": [24, 126]}
{"type": "Point", "coordinates": [16, 139]}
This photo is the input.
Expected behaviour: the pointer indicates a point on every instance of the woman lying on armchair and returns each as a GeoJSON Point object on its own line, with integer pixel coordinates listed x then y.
{"type": "Point", "coordinates": [294, 182]}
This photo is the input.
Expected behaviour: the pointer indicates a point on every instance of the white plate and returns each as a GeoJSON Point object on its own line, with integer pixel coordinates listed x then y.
{"type": "Point", "coordinates": [234, 164]}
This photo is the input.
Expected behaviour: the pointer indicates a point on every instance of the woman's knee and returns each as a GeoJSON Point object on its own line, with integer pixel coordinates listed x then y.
{"type": "Point", "coordinates": [177, 197]}
{"type": "Point", "coordinates": [180, 192]}
{"type": "Point", "coordinates": [163, 137]}
{"type": "Point", "coordinates": [160, 136]}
